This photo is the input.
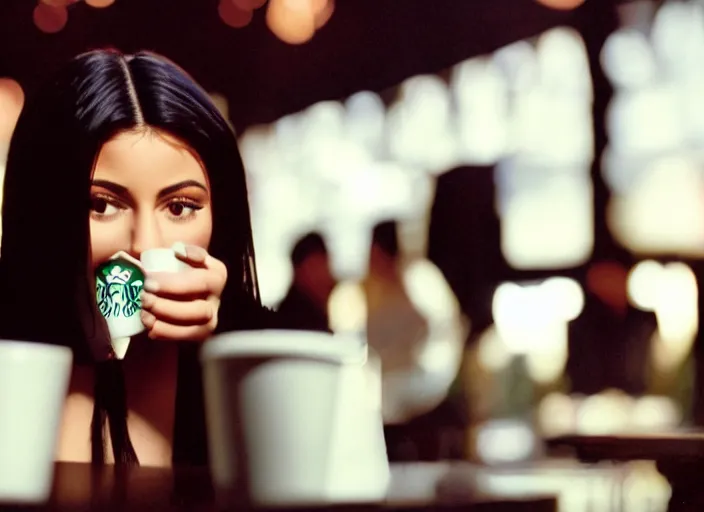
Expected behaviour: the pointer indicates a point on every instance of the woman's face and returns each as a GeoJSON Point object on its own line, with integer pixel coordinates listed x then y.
{"type": "Point", "coordinates": [148, 191]}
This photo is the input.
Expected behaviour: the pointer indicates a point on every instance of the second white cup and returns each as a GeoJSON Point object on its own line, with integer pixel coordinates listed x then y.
{"type": "Point", "coordinates": [293, 420]}
{"type": "Point", "coordinates": [34, 380]}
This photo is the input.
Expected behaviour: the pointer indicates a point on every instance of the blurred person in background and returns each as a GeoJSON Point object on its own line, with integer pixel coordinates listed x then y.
{"type": "Point", "coordinates": [609, 343]}
{"type": "Point", "coordinates": [305, 306]}
{"type": "Point", "coordinates": [415, 326]}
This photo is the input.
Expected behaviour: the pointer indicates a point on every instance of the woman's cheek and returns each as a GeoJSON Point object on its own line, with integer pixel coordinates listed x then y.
{"type": "Point", "coordinates": [196, 233]}
{"type": "Point", "coordinates": [105, 240]}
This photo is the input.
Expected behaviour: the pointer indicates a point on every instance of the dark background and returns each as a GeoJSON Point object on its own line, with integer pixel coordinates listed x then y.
{"type": "Point", "coordinates": [367, 44]}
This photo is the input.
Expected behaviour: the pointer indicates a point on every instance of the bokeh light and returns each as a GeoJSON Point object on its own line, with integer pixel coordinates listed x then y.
{"type": "Point", "coordinates": [59, 3]}
{"type": "Point", "coordinates": [543, 187]}
{"type": "Point", "coordinates": [492, 353]}
{"type": "Point", "coordinates": [546, 218]}
{"type": "Point", "coordinates": [292, 21]}
{"type": "Point", "coordinates": [419, 129]}
{"type": "Point", "coordinates": [628, 59]}
{"type": "Point", "coordinates": [50, 19]}
{"type": "Point", "coordinates": [678, 39]}
{"type": "Point", "coordinates": [644, 488]}
{"type": "Point", "coordinates": [347, 308]}
{"type": "Point", "coordinates": [642, 284]}
{"type": "Point", "coordinates": [561, 5]}
{"type": "Point", "coordinates": [531, 319]}
{"type": "Point", "coordinates": [480, 91]}
{"type": "Point", "coordinates": [655, 127]}
{"type": "Point", "coordinates": [502, 441]}
{"type": "Point", "coordinates": [248, 5]}
{"type": "Point", "coordinates": [365, 118]}
{"type": "Point", "coordinates": [564, 66]}
{"type": "Point", "coordinates": [11, 100]}
{"type": "Point", "coordinates": [557, 415]}
{"type": "Point", "coordinates": [671, 292]}
{"type": "Point", "coordinates": [100, 4]}
{"type": "Point", "coordinates": [324, 13]}
{"type": "Point", "coordinates": [655, 413]}
{"type": "Point", "coordinates": [663, 211]}
{"type": "Point", "coordinates": [608, 412]}
{"type": "Point", "coordinates": [233, 15]}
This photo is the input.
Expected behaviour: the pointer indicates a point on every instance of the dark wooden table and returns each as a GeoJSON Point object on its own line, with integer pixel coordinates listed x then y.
{"type": "Point", "coordinates": [679, 457]}
{"type": "Point", "coordinates": [80, 487]}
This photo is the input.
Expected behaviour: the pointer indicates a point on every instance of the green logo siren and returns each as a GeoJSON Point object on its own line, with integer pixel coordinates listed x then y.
{"type": "Point", "coordinates": [119, 283]}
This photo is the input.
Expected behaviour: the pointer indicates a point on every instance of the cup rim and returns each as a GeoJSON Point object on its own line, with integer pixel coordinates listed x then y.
{"type": "Point", "coordinates": [122, 255]}
{"type": "Point", "coordinates": [159, 250]}
{"type": "Point", "coordinates": [284, 343]}
{"type": "Point", "coordinates": [162, 259]}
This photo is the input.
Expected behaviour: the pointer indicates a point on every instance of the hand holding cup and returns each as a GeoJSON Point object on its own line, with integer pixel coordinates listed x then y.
{"type": "Point", "coordinates": [180, 301]}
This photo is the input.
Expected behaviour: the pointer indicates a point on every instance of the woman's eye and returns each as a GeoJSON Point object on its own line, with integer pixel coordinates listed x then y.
{"type": "Point", "coordinates": [103, 207]}
{"type": "Point", "coordinates": [182, 210]}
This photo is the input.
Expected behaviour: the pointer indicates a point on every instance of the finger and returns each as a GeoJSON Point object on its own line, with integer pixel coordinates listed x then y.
{"type": "Point", "coordinates": [198, 257]}
{"type": "Point", "coordinates": [165, 331]}
{"type": "Point", "coordinates": [194, 312]}
{"type": "Point", "coordinates": [198, 282]}
{"type": "Point", "coordinates": [191, 254]}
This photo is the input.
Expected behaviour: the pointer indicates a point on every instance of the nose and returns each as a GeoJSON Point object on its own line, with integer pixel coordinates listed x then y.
{"type": "Point", "coordinates": [146, 234]}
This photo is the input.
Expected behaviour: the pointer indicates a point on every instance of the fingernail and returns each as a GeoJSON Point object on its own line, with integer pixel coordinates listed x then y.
{"type": "Point", "coordinates": [147, 299]}
{"type": "Point", "coordinates": [150, 285]}
{"type": "Point", "coordinates": [180, 249]}
{"type": "Point", "coordinates": [148, 319]}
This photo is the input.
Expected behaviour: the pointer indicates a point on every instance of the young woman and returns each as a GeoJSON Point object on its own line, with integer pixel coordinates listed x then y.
{"type": "Point", "coordinates": [127, 153]}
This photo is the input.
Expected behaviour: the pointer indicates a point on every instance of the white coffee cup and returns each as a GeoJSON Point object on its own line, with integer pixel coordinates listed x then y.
{"type": "Point", "coordinates": [34, 381]}
{"type": "Point", "coordinates": [123, 327]}
{"type": "Point", "coordinates": [294, 419]}
{"type": "Point", "coordinates": [124, 269]}
{"type": "Point", "coordinates": [162, 260]}
{"type": "Point", "coordinates": [119, 282]}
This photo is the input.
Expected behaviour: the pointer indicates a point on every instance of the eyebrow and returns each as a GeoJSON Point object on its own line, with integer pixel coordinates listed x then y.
{"type": "Point", "coordinates": [123, 192]}
{"type": "Point", "coordinates": [111, 186]}
{"type": "Point", "coordinates": [181, 185]}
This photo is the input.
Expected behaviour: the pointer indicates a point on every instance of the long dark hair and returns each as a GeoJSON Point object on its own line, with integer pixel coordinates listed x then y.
{"type": "Point", "coordinates": [47, 281]}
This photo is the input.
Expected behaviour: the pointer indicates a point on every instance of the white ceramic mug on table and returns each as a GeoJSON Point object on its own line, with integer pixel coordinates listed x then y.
{"type": "Point", "coordinates": [294, 419]}
{"type": "Point", "coordinates": [34, 380]}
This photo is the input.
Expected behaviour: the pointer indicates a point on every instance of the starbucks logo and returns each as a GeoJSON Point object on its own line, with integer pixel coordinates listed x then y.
{"type": "Point", "coordinates": [118, 285]}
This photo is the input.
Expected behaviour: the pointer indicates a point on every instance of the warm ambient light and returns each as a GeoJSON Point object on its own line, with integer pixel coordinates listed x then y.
{"type": "Point", "coordinates": [248, 5]}
{"type": "Point", "coordinates": [562, 5]}
{"type": "Point", "coordinates": [291, 21]}
{"type": "Point", "coordinates": [100, 4]}
{"type": "Point", "coordinates": [11, 100]}
{"type": "Point", "coordinates": [59, 3]}
{"type": "Point", "coordinates": [323, 12]}
{"type": "Point", "coordinates": [233, 15]}
{"type": "Point", "coordinates": [50, 19]}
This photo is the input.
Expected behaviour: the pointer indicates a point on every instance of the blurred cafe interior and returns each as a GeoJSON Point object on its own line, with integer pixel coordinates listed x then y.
{"type": "Point", "coordinates": [506, 197]}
